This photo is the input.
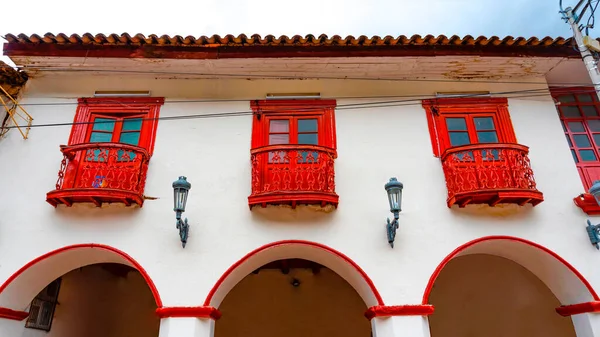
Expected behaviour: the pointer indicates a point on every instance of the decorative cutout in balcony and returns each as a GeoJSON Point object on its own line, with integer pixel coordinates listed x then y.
{"type": "Point", "coordinates": [489, 174]}
{"type": "Point", "coordinates": [101, 173]}
{"type": "Point", "coordinates": [293, 174]}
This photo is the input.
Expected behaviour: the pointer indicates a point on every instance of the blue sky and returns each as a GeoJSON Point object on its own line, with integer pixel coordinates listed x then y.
{"type": "Point", "coordinates": [343, 17]}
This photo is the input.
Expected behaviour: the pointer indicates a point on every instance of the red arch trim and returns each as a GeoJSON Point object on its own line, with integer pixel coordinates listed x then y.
{"type": "Point", "coordinates": [297, 242]}
{"type": "Point", "coordinates": [88, 245]}
{"type": "Point", "coordinates": [399, 310]}
{"type": "Point", "coordinates": [509, 238]}
{"type": "Point", "coordinates": [13, 314]}
{"type": "Point", "coordinates": [198, 312]}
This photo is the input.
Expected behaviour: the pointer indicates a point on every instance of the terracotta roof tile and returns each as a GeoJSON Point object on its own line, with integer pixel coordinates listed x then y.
{"type": "Point", "coordinates": [296, 40]}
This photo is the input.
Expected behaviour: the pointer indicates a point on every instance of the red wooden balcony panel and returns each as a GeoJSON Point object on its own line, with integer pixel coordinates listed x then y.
{"type": "Point", "coordinates": [99, 173]}
{"type": "Point", "coordinates": [489, 174]}
{"type": "Point", "coordinates": [293, 174]}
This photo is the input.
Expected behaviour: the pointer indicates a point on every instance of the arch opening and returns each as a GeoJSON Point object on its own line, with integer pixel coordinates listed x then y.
{"type": "Point", "coordinates": [83, 290]}
{"type": "Point", "coordinates": [321, 254]}
{"type": "Point", "coordinates": [501, 285]}
{"type": "Point", "coordinates": [292, 297]}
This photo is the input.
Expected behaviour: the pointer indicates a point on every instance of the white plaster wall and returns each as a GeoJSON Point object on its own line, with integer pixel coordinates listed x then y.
{"type": "Point", "coordinates": [484, 295]}
{"type": "Point", "coordinates": [373, 145]}
{"type": "Point", "coordinates": [266, 304]}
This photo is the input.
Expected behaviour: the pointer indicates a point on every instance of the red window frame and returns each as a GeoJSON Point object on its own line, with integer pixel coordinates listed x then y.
{"type": "Point", "coordinates": [585, 103]}
{"type": "Point", "coordinates": [118, 108]}
{"type": "Point", "coordinates": [469, 108]}
{"type": "Point", "coordinates": [293, 173]}
{"type": "Point", "coordinates": [322, 110]}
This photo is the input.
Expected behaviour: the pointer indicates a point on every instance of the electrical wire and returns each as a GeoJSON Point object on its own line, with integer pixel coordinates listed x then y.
{"type": "Point", "coordinates": [410, 102]}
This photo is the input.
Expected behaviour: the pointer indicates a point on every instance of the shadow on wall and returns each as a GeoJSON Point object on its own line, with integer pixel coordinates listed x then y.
{"type": "Point", "coordinates": [293, 302]}
{"type": "Point", "coordinates": [486, 295]}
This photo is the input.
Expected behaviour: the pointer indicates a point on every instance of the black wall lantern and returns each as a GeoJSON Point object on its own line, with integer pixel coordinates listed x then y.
{"type": "Point", "coordinates": [181, 187]}
{"type": "Point", "coordinates": [394, 192]}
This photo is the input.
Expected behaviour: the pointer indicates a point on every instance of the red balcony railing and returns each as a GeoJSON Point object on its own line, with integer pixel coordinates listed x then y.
{"type": "Point", "coordinates": [99, 173]}
{"type": "Point", "coordinates": [293, 174]}
{"type": "Point", "coordinates": [489, 174]}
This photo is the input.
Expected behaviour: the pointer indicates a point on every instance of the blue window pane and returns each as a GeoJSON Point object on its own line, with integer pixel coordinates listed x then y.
{"type": "Point", "coordinates": [307, 125]}
{"type": "Point", "coordinates": [589, 110]}
{"type": "Point", "coordinates": [570, 111]}
{"type": "Point", "coordinates": [131, 138]}
{"type": "Point", "coordinates": [587, 155]}
{"type": "Point", "coordinates": [487, 137]}
{"type": "Point", "coordinates": [594, 124]}
{"type": "Point", "coordinates": [574, 156]}
{"type": "Point", "coordinates": [308, 138]}
{"type": "Point", "coordinates": [576, 126]}
{"type": "Point", "coordinates": [569, 141]}
{"type": "Point", "coordinates": [104, 124]}
{"type": "Point", "coordinates": [132, 124]}
{"type": "Point", "coordinates": [596, 138]}
{"type": "Point", "coordinates": [99, 137]}
{"type": "Point", "coordinates": [459, 138]}
{"type": "Point", "coordinates": [584, 98]}
{"type": "Point", "coordinates": [582, 140]}
{"type": "Point", "coordinates": [484, 123]}
{"type": "Point", "coordinates": [456, 124]}
{"type": "Point", "coordinates": [308, 157]}
{"type": "Point", "coordinates": [566, 98]}
{"type": "Point", "coordinates": [490, 154]}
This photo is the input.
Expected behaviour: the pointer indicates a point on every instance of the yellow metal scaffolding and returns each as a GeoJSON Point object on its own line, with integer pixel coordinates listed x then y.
{"type": "Point", "coordinates": [13, 113]}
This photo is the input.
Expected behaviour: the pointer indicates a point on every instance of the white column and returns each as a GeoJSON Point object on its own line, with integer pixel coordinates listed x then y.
{"type": "Point", "coordinates": [401, 326]}
{"type": "Point", "coordinates": [587, 325]}
{"type": "Point", "coordinates": [11, 328]}
{"type": "Point", "coordinates": [186, 327]}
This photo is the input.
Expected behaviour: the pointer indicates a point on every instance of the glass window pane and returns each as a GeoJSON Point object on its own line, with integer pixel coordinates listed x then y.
{"type": "Point", "coordinates": [569, 140]}
{"type": "Point", "coordinates": [100, 137]}
{"type": "Point", "coordinates": [131, 138]}
{"type": "Point", "coordinates": [596, 138]}
{"type": "Point", "coordinates": [307, 125]}
{"type": "Point", "coordinates": [587, 155]}
{"type": "Point", "coordinates": [132, 124]}
{"type": "Point", "coordinates": [570, 111]}
{"type": "Point", "coordinates": [582, 140]}
{"type": "Point", "coordinates": [589, 110]}
{"type": "Point", "coordinates": [484, 123]}
{"type": "Point", "coordinates": [454, 124]}
{"type": "Point", "coordinates": [566, 98]}
{"type": "Point", "coordinates": [308, 138]}
{"type": "Point", "coordinates": [576, 126]}
{"type": "Point", "coordinates": [279, 139]}
{"type": "Point", "coordinates": [574, 156]}
{"type": "Point", "coordinates": [593, 124]}
{"type": "Point", "coordinates": [459, 138]}
{"type": "Point", "coordinates": [279, 125]}
{"type": "Point", "coordinates": [104, 124]}
{"type": "Point", "coordinates": [487, 137]}
{"type": "Point", "coordinates": [584, 98]}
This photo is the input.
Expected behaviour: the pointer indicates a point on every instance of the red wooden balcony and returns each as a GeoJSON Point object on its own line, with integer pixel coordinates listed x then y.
{"type": "Point", "coordinates": [489, 174]}
{"type": "Point", "coordinates": [101, 173]}
{"type": "Point", "coordinates": [293, 174]}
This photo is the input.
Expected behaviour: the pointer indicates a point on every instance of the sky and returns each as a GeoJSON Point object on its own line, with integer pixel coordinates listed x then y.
{"type": "Point", "coordinates": [280, 17]}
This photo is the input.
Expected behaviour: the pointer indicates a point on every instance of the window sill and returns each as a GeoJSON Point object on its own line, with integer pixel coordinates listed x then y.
{"type": "Point", "coordinates": [96, 196]}
{"type": "Point", "coordinates": [293, 198]}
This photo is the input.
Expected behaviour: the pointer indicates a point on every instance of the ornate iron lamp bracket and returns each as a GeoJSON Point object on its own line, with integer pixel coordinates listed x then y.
{"type": "Point", "coordinates": [593, 234]}
{"type": "Point", "coordinates": [184, 229]}
{"type": "Point", "coordinates": [391, 228]}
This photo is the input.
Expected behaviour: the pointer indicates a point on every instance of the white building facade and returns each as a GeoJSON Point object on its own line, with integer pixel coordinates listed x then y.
{"type": "Point", "coordinates": [287, 144]}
